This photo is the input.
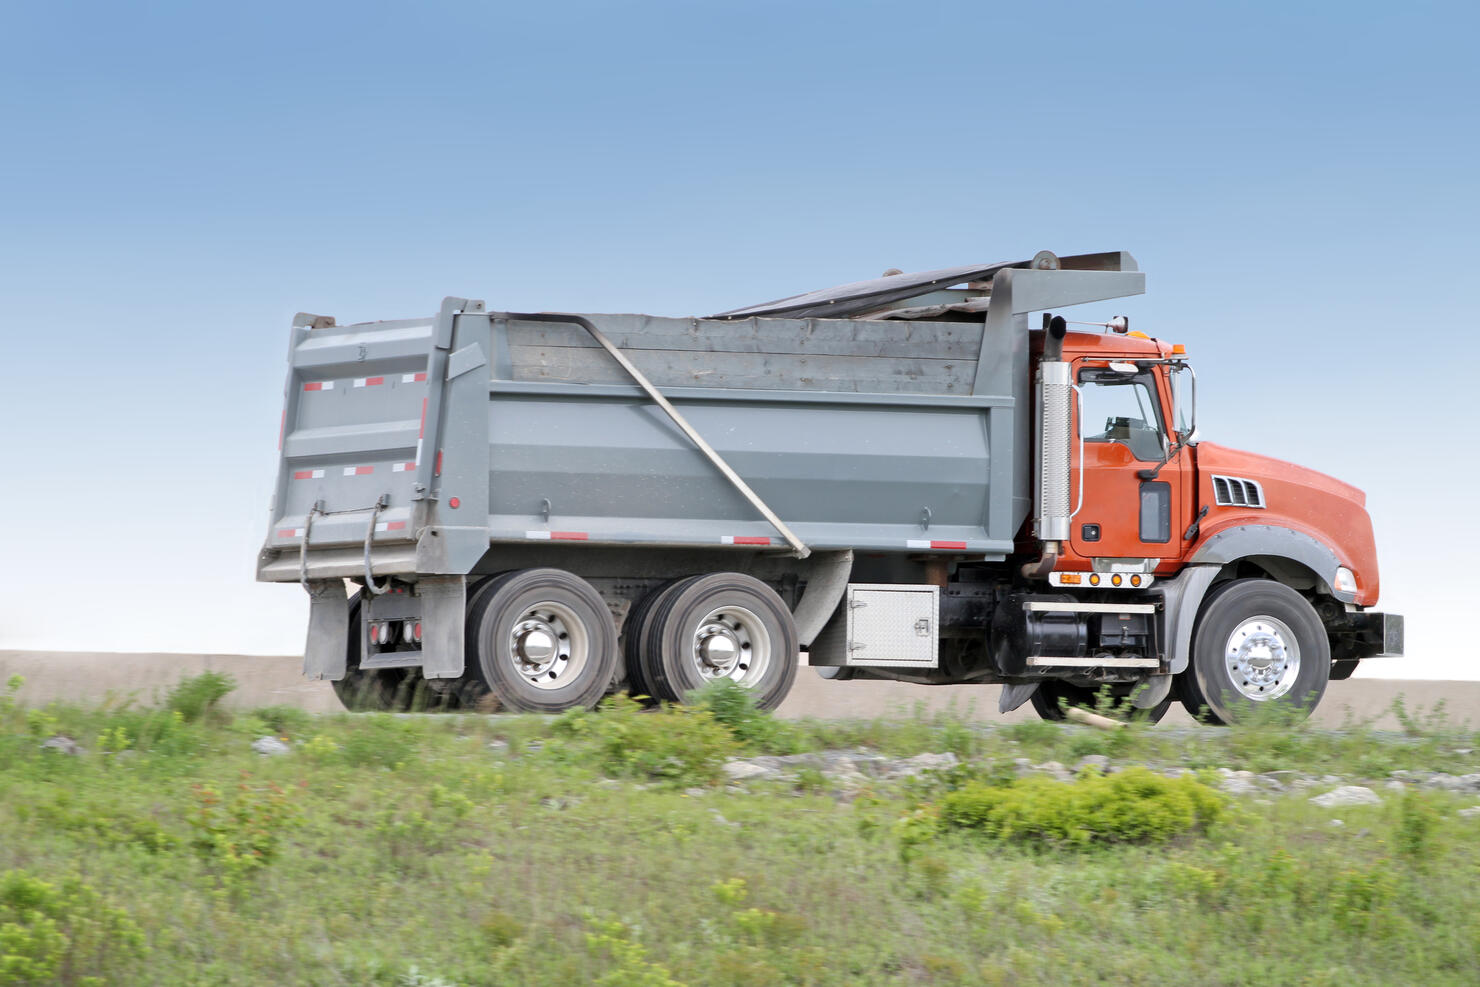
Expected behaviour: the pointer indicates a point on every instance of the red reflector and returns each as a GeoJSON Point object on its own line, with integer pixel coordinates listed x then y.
{"type": "Point", "coordinates": [569, 535]}
{"type": "Point", "coordinates": [421, 431]}
{"type": "Point", "coordinates": [314, 385]}
{"type": "Point", "coordinates": [454, 503]}
{"type": "Point", "coordinates": [416, 631]}
{"type": "Point", "coordinates": [439, 462]}
{"type": "Point", "coordinates": [948, 544]}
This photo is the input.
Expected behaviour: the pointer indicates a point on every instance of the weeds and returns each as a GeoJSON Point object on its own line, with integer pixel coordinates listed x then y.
{"type": "Point", "coordinates": [1134, 805]}
{"type": "Point", "coordinates": [499, 850]}
{"type": "Point", "coordinates": [200, 696]}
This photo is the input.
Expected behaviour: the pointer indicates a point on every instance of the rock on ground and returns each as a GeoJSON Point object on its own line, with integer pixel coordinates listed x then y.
{"type": "Point", "coordinates": [62, 745]}
{"type": "Point", "coordinates": [270, 746]}
{"type": "Point", "coordinates": [1347, 795]}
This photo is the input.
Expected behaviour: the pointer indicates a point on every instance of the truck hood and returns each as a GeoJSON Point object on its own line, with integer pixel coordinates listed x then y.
{"type": "Point", "coordinates": [1212, 458]}
{"type": "Point", "coordinates": [1295, 497]}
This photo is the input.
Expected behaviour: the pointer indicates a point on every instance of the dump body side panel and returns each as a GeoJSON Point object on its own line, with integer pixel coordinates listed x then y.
{"type": "Point", "coordinates": [860, 434]}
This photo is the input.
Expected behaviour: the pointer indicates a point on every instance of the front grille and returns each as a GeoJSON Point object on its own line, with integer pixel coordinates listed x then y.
{"type": "Point", "coordinates": [1235, 491]}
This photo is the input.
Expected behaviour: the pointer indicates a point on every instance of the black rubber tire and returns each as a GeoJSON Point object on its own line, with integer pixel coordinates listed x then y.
{"type": "Point", "coordinates": [1184, 687]}
{"type": "Point", "coordinates": [1046, 700]}
{"type": "Point", "coordinates": [1184, 684]}
{"type": "Point", "coordinates": [634, 642]}
{"type": "Point", "coordinates": [1207, 683]}
{"type": "Point", "coordinates": [492, 613]}
{"type": "Point", "coordinates": [676, 614]}
{"type": "Point", "coordinates": [384, 690]}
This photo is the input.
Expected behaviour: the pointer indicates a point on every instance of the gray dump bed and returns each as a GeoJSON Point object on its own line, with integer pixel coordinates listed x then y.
{"type": "Point", "coordinates": [416, 446]}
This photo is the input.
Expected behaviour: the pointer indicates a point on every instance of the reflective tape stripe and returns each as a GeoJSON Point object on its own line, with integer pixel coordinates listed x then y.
{"type": "Point", "coordinates": [745, 540]}
{"type": "Point", "coordinates": [358, 470]}
{"type": "Point", "coordinates": [290, 532]}
{"type": "Point", "coordinates": [319, 385]}
{"type": "Point", "coordinates": [557, 535]}
{"type": "Point", "coordinates": [309, 475]}
{"type": "Point", "coordinates": [412, 378]}
{"type": "Point", "coordinates": [390, 526]}
{"type": "Point", "coordinates": [403, 467]}
{"type": "Point", "coordinates": [368, 381]}
{"type": "Point", "coordinates": [922, 543]}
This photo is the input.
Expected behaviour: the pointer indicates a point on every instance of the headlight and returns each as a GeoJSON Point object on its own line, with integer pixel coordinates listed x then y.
{"type": "Point", "coordinates": [1345, 582]}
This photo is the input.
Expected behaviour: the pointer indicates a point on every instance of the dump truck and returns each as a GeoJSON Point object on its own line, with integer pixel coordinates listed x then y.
{"type": "Point", "coordinates": [921, 477]}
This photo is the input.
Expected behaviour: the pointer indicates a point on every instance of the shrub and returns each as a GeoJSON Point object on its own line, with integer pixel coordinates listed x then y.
{"type": "Point", "coordinates": [1135, 805]}
{"type": "Point", "coordinates": [733, 705]}
{"type": "Point", "coordinates": [1417, 820]}
{"type": "Point", "coordinates": [61, 932]}
{"type": "Point", "coordinates": [240, 834]}
{"type": "Point", "coordinates": [676, 744]}
{"type": "Point", "coordinates": [195, 698]}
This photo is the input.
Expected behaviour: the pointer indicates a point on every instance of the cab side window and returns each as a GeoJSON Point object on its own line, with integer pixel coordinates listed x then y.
{"type": "Point", "coordinates": [1122, 408]}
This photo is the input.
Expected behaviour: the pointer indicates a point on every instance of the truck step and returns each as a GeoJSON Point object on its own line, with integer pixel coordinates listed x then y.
{"type": "Point", "coordinates": [1043, 606]}
{"type": "Point", "coordinates": [1091, 662]}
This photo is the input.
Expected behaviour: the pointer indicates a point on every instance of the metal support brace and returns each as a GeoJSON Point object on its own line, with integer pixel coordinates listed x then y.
{"type": "Point", "coordinates": [369, 540]}
{"type": "Point", "coordinates": [797, 545]}
{"type": "Point", "coordinates": [303, 546]}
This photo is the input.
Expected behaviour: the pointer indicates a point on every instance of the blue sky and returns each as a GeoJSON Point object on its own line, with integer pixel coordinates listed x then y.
{"type": "Point", "coordinates": [1299, 182]}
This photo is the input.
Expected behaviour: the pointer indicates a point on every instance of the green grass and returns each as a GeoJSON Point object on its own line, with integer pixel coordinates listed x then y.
{"type": "Point", "coordinates": [569, 850]}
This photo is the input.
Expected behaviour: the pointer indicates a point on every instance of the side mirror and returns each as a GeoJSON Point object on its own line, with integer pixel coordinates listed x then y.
{"type": "Point", "coordinates": [1184, 402]}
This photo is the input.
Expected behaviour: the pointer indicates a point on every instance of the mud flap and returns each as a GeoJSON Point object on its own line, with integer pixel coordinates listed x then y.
{"type": "Point", "coordinates": [1014, 696]}
{"type": "Point", "coordinates": [328, 630]}
{"type": "Point", "coordinates": [443, 614]}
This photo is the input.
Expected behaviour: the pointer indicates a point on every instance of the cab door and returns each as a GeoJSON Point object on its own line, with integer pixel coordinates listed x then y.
{"type": "Point", "coordinates": [1121, 422]}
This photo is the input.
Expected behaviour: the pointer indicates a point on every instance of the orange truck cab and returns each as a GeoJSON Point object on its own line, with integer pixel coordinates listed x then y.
{"type": "Point", "coordinates": [1265, 570]}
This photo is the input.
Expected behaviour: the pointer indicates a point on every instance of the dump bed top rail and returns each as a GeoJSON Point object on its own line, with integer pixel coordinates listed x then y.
{"type": "Point", "coordinates": [865, 298]}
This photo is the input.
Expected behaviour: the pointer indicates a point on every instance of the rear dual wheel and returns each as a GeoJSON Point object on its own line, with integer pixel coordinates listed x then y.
{"type": "Point", "coordinates": [721, 626]}
{"type": "Point", "coordinates": [541, 641]}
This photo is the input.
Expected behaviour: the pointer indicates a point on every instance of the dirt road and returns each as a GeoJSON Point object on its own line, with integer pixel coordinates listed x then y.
{"type": "Point", "coordinates": [263, 681]}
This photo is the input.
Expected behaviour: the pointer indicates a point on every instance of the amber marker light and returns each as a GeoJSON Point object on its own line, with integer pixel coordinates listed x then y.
{"type": "Point", "coordinates": [1069, 578]}
{"type": "Point", "coordinates": [1094, 579]}
{"type": "Point", "coordinates": [1178, 349]}
{"type": "Point", "coordinates": [1135, 580]}
{"type": "Point", "coordinates": [1115, 579]}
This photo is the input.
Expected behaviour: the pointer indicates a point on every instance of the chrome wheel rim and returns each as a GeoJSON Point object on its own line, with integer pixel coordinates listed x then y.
{"type": "Point", "coordinates": [1262, 656]}
{"type": "Point", "coordinates": [548, 645]}
{"type": "Point", "coordinates": [731, 643]}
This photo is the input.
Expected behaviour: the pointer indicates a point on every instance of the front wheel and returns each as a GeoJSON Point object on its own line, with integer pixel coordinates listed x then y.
{"type": "Point", "coordinates": [1257, 642]}
{"type": "Point", "coordinates": [1053, 695]}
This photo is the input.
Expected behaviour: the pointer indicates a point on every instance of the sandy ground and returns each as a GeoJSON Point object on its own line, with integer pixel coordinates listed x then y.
{"type": "Point", "coordinates": [263, 681]}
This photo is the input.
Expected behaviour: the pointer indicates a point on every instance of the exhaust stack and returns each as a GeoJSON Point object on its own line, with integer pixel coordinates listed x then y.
{"type": "Point", "coordinates": [1054, 420]}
